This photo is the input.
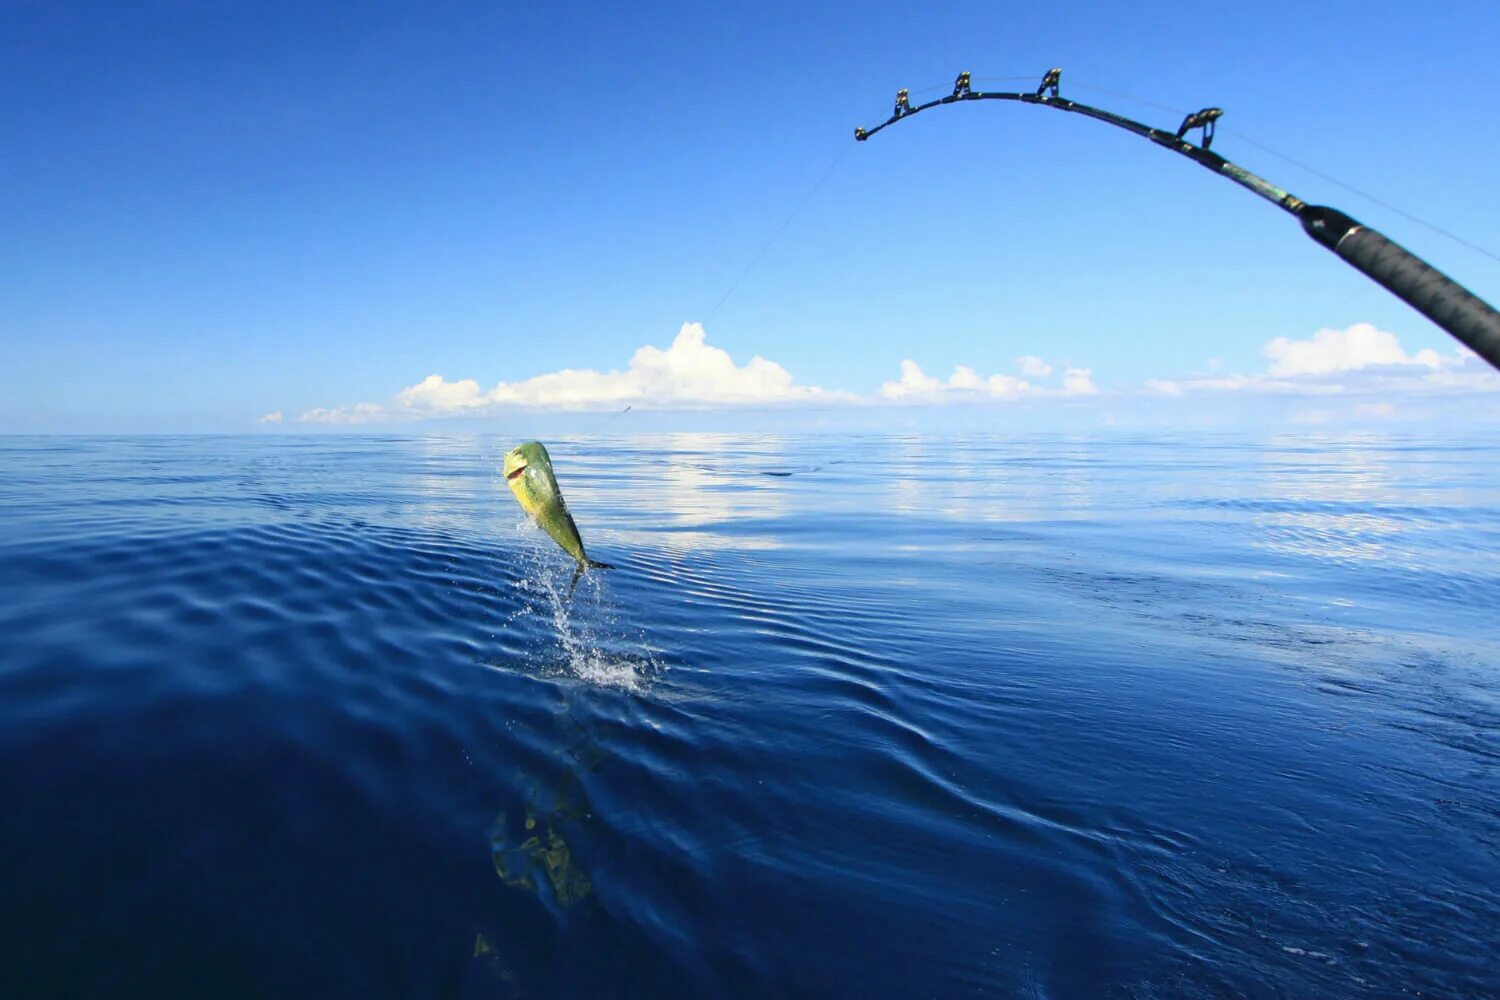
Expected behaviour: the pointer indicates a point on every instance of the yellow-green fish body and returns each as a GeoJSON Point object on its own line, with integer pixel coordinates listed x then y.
{"type": "Point", "coordinates": [528, 473]}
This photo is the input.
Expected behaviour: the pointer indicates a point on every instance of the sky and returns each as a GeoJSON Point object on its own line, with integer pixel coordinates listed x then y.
{"type": "Point", "coordinates": [280, 217]}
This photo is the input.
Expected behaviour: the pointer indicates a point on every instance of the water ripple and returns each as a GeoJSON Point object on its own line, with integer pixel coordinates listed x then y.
{"type": "Point", "coordinates": [1040, 716]}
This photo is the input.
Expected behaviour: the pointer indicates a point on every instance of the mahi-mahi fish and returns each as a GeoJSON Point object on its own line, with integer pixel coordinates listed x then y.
{"type": "Point", "coordinates": [528, 472]}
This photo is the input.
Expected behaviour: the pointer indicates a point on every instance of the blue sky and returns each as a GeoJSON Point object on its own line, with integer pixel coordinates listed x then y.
{"type": "Point", "coordinates": [217, 212]}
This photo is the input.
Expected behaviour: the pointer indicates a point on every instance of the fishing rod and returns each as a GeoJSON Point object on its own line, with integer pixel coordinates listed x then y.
{"type": "Point", "coordinates": [1432, 293]}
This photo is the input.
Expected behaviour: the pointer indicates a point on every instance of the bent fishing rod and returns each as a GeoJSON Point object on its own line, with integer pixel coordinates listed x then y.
{"type": "Point", "coordinates": [1432, 293]}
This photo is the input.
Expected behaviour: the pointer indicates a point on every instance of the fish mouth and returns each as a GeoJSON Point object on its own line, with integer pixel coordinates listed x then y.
{"type": "Point", "coordinates": [515, 472]}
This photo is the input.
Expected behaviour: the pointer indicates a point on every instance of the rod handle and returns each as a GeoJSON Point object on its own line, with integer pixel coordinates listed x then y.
{"type": "Point", "coordinates": [1466, 316]}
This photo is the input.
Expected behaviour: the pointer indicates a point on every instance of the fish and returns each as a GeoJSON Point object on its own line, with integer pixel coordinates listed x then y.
{"type": "Point", "coordinates": [528, 473]}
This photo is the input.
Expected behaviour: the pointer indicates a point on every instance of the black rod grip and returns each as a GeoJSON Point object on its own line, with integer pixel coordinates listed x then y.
{"type": "Point", "coordinates": [1450, 305]}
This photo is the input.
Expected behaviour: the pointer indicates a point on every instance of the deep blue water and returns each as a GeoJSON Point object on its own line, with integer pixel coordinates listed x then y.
{"type": "Point", "coordinates": [896, 716]}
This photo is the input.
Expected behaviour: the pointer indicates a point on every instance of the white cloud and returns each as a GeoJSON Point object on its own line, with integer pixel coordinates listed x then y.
{"type": "Point", "coordinates": [1007, 385]}
{"type": "Point", "coordinates": [964, 377]}
{"type": "Point", "coordinates": [274, 417]}
{"type": "Point", "coordinates": [1239, 383]}
{"type": "Point", "coordinates": [689, 372]}
{"type": "Point", "coordinates": [433, 393]}
{"type": "Point", "coordinates": [359, 413]}
{"type": "Point", "coordinates": [1079, 382]}
{"type": "Point", "coordinates": [915, 384]}
{"type": "Point", "coordinates": [1358, 360]}
{"type": "Point", "coordinates": [1358, 347]}
{"type": "Point", "coordinates": [1033, 367]}
{"type": "Point", "coordinates": [1362, 363]}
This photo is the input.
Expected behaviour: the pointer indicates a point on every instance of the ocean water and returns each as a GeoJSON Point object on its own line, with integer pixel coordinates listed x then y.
{"type": "Point", "coordinates": [1039, 716]}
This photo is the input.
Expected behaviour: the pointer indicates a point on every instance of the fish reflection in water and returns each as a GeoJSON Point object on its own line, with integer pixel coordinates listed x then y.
{"type": "Point", "coordinates": [537, 857]}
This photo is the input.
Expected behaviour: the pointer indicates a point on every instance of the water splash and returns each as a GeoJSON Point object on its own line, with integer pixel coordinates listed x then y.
{"type": "Point", "coordinates": [586, 640]}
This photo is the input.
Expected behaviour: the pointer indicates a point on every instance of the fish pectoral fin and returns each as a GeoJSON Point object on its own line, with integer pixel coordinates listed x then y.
{"type": "Point", "coordinates": [595, 564]}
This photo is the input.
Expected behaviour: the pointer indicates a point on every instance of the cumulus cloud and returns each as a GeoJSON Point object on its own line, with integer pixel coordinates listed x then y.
{"type": "Point", "coordinates": [1358, 347]}
{"type": "Point", "coordinates": [434, 393]}
{"type": "Point", "coordinates": [1361, 362]}
{"type": "Point", "coordinates": [689, 372]}
{"type": "Point", "coordinates": [1079, 382]}
{"type": "Point", "coordinates": [274, 417]}
{"type": "Point", "coordinates": [359, 413]}
{"type": "Point", "coordinates": [1240, 383]}
{"type": "Point", "coordinates": [913, 382]}
{"type": "Point", "coordinates": [1360, 359]}
{"type": "Point", "coordinates": [915, 385]}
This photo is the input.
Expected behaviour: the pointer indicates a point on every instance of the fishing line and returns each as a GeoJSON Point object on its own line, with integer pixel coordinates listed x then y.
{"type": "Point", "coordinates": [1178, 112]}
{"type": "Point", "coordinates": [606, 421]}
{"type": "Point", "coordinates": [1303, 166]}
{"type": "Point", "coordinates": [1029, 77]}
{"type": "Point", "coordinates": [844, 151]}
{"type": "Point", "coordinates": [1368, 197]}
